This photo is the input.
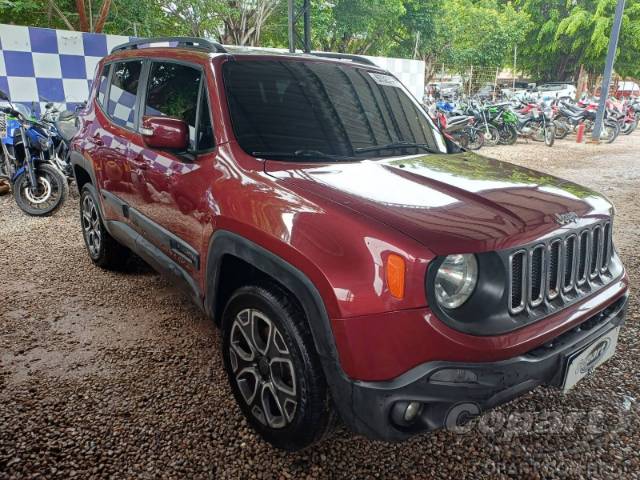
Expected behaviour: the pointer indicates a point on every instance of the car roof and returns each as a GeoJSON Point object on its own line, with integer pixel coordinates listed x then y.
{"type": "Point", "coordinates": [185, 47]}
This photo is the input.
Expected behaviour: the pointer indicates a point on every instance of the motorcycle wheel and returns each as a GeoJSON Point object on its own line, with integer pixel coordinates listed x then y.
{"type": "Point", "coordinates": [608, 133]}
{"type": "Point", "coordinates": [50, 193]}
{"type": "Point", "coordinates": [476, 139]}
{"type": "Point", "coordinates": [550, 135]}
{"type": "Point", "coordinates": [628, 128]}
{"type": "Point", "coordinates": [508, 135]}
{"type": "Point", "coordinates": [537, 131]}
{"type": "Point", "coordinates": [461, 138]}
{"type": "Point", "coordinates": [491, 135]}
{"type": "Point", "coordinates": [562, 128]}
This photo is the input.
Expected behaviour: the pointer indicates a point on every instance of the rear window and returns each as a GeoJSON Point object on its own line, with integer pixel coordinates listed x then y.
{"type": "Point", "coordinates": [123, 91]}
{"type": "Point", "coordinates": [288, 106]}
{"type": "Point", "coordinates": [103, 84]}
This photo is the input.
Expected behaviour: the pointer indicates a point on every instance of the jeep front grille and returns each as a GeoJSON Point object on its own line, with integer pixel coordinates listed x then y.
{"type": "Point", "coordinates": [559, 266]}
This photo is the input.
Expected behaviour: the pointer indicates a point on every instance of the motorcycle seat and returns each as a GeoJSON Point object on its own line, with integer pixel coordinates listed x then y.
{"type": "Point", "coordinates": [458, 119]}
{"type": "Point", "coordinates": [66, 130]}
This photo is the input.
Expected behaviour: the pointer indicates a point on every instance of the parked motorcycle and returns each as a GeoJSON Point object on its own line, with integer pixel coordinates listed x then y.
{"type": "Point", "coordinates": [62, 127]}
{"type": "Point", "coordinates": [461, 129]}
{"type": "Point", "coordinates": [569, 117]}
{"type": "Point", "coordinates": [27, 161]}
{"type": "Point", "coordinates": [536, 122]}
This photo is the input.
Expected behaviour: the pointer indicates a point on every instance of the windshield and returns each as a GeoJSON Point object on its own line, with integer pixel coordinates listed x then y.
{"type": "Point", "coordinates": [324, 110]}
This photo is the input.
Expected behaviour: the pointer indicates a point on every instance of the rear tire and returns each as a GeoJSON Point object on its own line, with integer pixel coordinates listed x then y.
{"type": "Point", "coordinates": [508, 135]}
{"type": "Point", "coordinates": [562, 128]}
{"type": "Point", "coordinates": [492, 136]}
{"type": "Point", "coordinates": [103, 249]}
{"type": "Point", "coordinates": [273, 368]}
{"type": "Point", "coordinates": [609, 132]}
{"type": "Point", "coordinates": [476, 139]}
{"type": "Point", "coordinates": [628, 128]}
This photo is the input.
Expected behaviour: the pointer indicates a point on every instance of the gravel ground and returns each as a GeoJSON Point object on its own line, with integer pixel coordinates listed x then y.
{"type": "Point", "coordinates": [118, 375]}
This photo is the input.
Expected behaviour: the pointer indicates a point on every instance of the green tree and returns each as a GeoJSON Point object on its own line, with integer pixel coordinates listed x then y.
{"type": "Point", "coordinates": [564, 35]}
{"type": "Point", "coordinates": [356, 26]}
{"type": "Point", "coordinates": [124, 17]}
{"type": "Point", "coordinates": [460, 33]}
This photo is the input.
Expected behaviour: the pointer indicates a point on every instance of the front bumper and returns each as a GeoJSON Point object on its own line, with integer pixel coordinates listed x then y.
{"type": "Point", "coordinates": [376, 409]}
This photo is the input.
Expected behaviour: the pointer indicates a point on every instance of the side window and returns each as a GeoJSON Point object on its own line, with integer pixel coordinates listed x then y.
{"type": "Point", "coordinates": [102, 86]}
{"type": "Point", "coordinates": [205, 127]}
{"type": "Point", "coordinates": [173, 92]}
{"type": "Point", "coordinates": [122, 94]}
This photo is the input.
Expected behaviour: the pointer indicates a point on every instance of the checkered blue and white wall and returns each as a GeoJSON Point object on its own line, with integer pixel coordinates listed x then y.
{"type": "Point", "coordinates": [40, 65]}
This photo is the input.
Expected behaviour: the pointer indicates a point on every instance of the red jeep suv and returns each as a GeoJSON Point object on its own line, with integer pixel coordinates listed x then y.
{"type": "Point", "coordinates": [359, 264]}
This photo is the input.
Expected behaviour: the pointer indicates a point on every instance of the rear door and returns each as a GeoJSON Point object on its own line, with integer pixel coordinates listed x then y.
{"type": "Point", "coordinates": [120, 105]}
{"type": "Point", "coordinates": [169, 185]}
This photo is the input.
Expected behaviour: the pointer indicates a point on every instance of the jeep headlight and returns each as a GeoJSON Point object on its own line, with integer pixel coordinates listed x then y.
{"type": "Point", "coordinates": [455, 280]}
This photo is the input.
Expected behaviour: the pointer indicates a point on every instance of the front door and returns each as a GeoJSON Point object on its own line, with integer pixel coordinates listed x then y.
{"type": "Point", "coordinates": [170, 185]}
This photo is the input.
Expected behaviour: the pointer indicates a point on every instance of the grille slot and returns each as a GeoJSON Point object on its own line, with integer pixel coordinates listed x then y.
{"type": "Point", "coordinates": [536, 275]}
{"type": "Point", "coordinates": [569, 273]}
{"type": "Point", "coordinates": [596, 251]}
{"type": "Point", "coordinates": [565, 268]}
{"type": "Point", "coordinates": [607, 247]}
{"type": "Point", "coordinates": [583, 257]}
{"type": "Point", "coordinates": [554, 271]}
{"type": "Point", "coordinates": [518, 268]}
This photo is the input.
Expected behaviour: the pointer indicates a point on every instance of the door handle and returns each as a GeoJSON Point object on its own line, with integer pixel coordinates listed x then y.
{"type": "Point", "coordinates": [139, 162]}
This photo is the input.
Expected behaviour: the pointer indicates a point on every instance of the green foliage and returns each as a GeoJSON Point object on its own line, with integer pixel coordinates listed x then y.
{"type": "Point", "coordinates": [125, 16]}
{"type": "Point", "coordinates": [564, 35]}
{"type": "Point", "coordinates": [554, 37]}
{"type": "Point", "coordinates": [481, 33]}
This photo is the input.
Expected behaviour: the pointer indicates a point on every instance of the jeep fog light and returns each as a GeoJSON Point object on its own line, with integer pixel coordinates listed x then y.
{"type": "Point", "coordinates": [455, 280]}
{"type": "Point", "coordinates": [412, 411]}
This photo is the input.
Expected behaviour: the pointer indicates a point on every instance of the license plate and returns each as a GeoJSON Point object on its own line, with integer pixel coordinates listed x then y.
{"type": "Point", "coordinates": [585, 362]}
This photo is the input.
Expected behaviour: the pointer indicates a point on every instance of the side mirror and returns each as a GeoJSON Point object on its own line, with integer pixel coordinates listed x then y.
{"type": "Point", "coordinates": [165, 132]}
{"type": "Point", "coordinates": [3, 96]}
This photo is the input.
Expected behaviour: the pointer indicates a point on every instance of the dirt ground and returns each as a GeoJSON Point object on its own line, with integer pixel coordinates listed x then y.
{"type": "Point", "coordinates": [106, 375]}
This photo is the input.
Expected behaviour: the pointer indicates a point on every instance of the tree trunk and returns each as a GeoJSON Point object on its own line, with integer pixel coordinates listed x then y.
{"type": "Point", "coordinates": [82, 15]}
{"type": "Point", "coordinates": [102, 17]}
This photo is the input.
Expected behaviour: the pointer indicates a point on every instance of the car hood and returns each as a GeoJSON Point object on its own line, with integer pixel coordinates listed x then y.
{"type": "Point", "coordinates": [452, 203]}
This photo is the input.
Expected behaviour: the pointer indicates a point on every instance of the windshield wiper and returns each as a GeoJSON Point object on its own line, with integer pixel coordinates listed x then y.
{"type": "Point", "coordinates": [396, 145]}
{"type": "Point", "coordinates": [302, 154]}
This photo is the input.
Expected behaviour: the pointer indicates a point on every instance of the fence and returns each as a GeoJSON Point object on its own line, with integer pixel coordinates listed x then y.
{"type": "Point", "coordinates": [38, 65]}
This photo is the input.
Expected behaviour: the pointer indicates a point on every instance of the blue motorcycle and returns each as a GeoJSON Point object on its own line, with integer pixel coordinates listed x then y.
{"type": "Point", "coordinates": [27, 160]}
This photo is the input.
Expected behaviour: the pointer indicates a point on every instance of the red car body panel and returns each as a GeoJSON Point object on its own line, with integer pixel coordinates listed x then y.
{"type": "Point", "coordinates": [337, 223]}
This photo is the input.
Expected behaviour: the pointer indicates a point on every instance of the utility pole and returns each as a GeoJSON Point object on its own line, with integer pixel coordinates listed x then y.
{"type": "Point", "coordinates": [515, 58]}
{"type": "Point", "coordinates": [292, 27]}
{"type": "Point", "coordinates": [608, 69]}
{"type": "Point", "coordinates": [294, 17]}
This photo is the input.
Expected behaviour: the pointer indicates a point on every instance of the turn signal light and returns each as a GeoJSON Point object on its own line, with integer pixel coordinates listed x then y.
{"type": "Point", "coordinates": [395, 275]}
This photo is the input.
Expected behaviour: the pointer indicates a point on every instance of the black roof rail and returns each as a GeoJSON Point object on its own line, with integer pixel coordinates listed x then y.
{"type": "Point", "coordinates": [182, 42]}
{"type": "Point", "coordinates": [344, 56]}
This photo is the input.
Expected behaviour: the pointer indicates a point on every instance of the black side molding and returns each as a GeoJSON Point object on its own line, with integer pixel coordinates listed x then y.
{"type": "Point", "coordinates": [156, 258]}
{"type": "Point", "coordinates": [153, 231]}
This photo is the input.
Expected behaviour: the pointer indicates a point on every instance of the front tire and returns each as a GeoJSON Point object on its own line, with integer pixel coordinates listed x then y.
{"type": "Point", "coordinates": [102, 248]}
{"type": "Point", "coordinates": [273, 368]}
{"type": "Point", "coordinates": [46, 197]}
{"type": "Point", "coordinates": [549, 135]}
